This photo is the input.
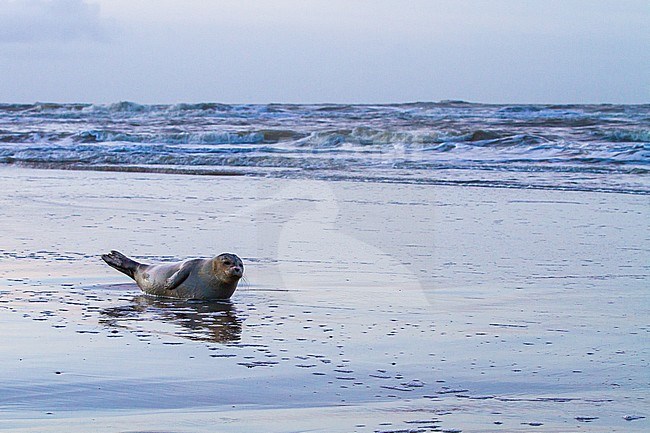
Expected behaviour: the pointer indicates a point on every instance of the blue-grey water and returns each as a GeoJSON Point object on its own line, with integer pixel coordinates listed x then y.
{"type": "Point", "coordinates": [384, 304]}
{"type": "Point", "coordinates": [565, 147]}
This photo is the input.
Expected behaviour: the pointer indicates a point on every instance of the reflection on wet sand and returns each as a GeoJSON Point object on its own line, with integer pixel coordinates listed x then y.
{"type": "Point", "coordinates": [215, 322]}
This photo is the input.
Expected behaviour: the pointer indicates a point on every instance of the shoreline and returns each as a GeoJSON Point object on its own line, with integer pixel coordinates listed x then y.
{"type": "Point", "coordinates": [367, 306]}
{"type": "Point", "coordinates": [459, 179]}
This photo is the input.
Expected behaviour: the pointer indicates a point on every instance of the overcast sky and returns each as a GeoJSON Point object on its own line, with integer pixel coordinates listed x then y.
{"type": "Point", "coordinates": [366, 51]}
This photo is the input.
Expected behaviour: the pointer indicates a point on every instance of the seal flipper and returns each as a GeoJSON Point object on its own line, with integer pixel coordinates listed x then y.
{"type": "Point", "coordinates": [122, 263]}
{"type": "Point", "coordinates": [177, 278]}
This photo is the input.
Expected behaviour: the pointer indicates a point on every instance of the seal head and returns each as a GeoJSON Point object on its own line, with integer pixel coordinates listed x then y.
{"type": "Point", "coordinates": [228, 267]}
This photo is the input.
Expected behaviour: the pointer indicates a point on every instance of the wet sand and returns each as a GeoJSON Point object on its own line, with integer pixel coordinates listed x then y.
{"type": "Point", "coordinates": [366, 307]}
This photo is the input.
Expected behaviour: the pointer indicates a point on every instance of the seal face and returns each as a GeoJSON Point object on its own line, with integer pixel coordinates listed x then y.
{"type": "Point", "coordinates": [228, 266]}
{"type": "Point", "coordinates": [214, 278]}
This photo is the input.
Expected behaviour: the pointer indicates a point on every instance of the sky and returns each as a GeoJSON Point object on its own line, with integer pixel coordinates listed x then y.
{"type": "Point", "coordinates": [325, 51]}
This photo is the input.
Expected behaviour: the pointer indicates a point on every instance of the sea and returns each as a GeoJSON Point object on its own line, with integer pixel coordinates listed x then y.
{"type": "Point", "coordinates": [603, 148]}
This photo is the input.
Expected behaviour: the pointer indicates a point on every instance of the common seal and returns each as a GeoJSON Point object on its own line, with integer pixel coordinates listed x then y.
{"type": "Point", "coordinates": [214, 278]}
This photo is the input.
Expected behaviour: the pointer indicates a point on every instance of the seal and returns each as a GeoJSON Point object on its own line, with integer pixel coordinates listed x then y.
{"type": "Point", "coordinates": [214, 278]}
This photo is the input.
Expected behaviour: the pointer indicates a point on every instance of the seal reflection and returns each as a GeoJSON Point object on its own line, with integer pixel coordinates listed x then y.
{"type": "Point", "coordinates": [210, 321]}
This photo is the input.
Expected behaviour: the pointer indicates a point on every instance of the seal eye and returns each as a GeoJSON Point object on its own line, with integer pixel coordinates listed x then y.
{"type": "Point", "coordinates": [227, 262]}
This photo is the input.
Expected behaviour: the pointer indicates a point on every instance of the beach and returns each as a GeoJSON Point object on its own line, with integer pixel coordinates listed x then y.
{"type": "Point", "coordinates": [366, 306]}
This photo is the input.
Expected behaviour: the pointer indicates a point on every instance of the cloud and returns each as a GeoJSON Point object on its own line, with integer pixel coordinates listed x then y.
{"type": "Point", "coordinates": [29, 21]}
{"type": "Point", "coordinates": [324, 50]}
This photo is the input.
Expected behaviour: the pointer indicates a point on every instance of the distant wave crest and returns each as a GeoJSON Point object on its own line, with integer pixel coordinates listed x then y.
{"type": "Point", "coordinates": [418, 142]}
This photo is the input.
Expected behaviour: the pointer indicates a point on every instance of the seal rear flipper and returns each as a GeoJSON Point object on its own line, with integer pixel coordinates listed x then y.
{"type": "Point", "coordinates": [122, 263]}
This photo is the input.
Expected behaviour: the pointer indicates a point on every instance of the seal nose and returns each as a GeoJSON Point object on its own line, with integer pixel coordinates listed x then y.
{"type": "Point", "coordinates": [236, 270]}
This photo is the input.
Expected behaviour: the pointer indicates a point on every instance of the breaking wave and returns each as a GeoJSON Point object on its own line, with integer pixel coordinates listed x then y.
{"type": "Point", "coordinates": [571, 145]}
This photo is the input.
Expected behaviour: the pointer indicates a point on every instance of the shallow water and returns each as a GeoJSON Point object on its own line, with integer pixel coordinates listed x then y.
{"type": "Point", "coordinates": [365, 308]}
